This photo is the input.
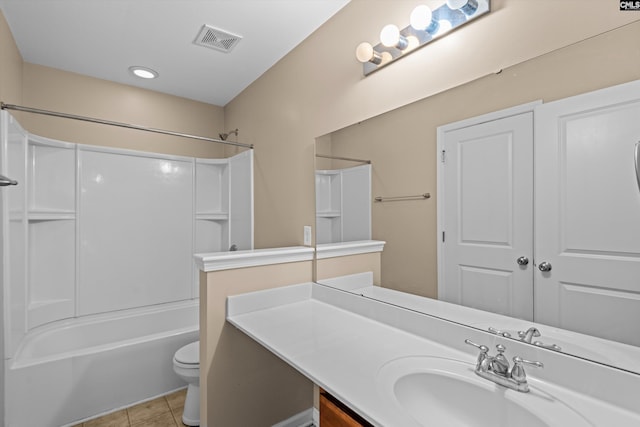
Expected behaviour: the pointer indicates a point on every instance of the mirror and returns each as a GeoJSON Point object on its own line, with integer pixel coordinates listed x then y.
{"type": "Point", "coordinates": [401, 146]}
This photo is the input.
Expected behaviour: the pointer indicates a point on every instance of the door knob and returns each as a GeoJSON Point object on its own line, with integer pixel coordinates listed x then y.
{"type": "Point", "coordinates": [523, 260]}
{"type": "Point", "coordinates": [544, 266]}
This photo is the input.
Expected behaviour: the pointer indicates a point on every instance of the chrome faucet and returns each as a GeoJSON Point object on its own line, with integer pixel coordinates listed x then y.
{"type": "Point", "coordinates": [528, 335]}
{"type": "Point", "coordinates": [496, 368]}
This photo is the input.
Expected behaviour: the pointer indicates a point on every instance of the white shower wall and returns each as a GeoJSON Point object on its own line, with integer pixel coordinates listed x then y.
{"type": "Point", "coordinates": [92, 230]}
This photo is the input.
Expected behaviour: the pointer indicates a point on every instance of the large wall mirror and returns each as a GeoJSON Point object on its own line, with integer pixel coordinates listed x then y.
{"type": "Point", "coordinates": [397, 153]}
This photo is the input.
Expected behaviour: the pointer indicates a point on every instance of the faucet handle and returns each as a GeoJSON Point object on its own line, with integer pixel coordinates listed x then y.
{"type": "Point", "coordinates": [517, 371]}
{"type": "Point", "coordinates": [483, 348]}
{"type": "Point", "coordinates": [483, 361]}
{"type": "Point", "coordinates": [499, 332]}
{"type": "Point", "coordinates": [554, 347]}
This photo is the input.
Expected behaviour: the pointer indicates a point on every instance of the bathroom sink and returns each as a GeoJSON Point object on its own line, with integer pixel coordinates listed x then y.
{"type": "Point", "coordinates": [437, 391]}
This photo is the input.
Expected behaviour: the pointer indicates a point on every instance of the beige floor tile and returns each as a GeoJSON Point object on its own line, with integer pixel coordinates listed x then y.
{"type": "Point", "coordinates": [147, 410]}
{"type": "Point", "coordinates": [162, 420]}
{"type": "Point", "coordinates": [178, 417]}
{"type": "Point", "coordinates": [176, 400]}
{"type": "Point", "coordinates": [114, 419]}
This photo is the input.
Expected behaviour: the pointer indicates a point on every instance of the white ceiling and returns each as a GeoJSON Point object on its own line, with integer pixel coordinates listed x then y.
{"type": "Point", "coordinates": [103, 38]}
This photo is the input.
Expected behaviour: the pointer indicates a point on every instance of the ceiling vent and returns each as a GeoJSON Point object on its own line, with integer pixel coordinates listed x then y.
{"type": "Point", "coordinates": [217, 39]}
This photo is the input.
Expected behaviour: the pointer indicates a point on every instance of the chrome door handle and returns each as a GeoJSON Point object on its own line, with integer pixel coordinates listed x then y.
{"type": "Point", "coordinates": [544, 266]}
{"type": "Point", "coordinates": [523, 260]}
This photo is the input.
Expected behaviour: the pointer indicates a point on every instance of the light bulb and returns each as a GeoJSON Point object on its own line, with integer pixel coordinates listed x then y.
{"type": "Point", "coordinates": [365, 53]}
{"type": "Point", "coordinates": [468, 7]}
{"type": "Point", "coordinates": [421, 19]}
{"type": "Point", "coordinates": [390, 37]}
{"type": "Point", "coordinates": [445, 26]}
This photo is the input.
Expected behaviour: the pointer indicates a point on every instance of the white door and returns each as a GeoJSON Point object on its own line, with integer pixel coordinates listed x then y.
{"type": "Point", "coordinates": [486, 212]}
{"type": "Point", "coordinates": [588, 213]}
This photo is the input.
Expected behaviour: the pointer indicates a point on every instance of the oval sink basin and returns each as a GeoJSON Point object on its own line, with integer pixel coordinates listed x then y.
{"type": "Point", "coordinates": [433, 391]}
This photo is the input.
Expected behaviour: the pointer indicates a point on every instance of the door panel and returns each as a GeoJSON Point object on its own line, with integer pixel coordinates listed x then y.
{"type": "Point", "coordinates": [588, 213]}
{"type": "Point", "coordinates": [486, 288]}
{"type": "Point", "coordinates": [488, 208]}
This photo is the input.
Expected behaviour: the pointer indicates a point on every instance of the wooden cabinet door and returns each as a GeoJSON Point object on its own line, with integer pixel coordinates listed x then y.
{"type": "Point", "coordinates": [335, 414]}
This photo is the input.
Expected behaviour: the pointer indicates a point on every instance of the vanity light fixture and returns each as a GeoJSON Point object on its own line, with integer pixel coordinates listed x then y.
{"type": "Point", "coordinates": [425, 25]}
{"type": "Point", "coordinates": [143, 72]}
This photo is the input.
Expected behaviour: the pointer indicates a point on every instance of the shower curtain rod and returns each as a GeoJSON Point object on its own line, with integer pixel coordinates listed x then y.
{"type": "Point", "coordinates": [4, 106]}
{"type": "Point", "coordinates": [324, 156]}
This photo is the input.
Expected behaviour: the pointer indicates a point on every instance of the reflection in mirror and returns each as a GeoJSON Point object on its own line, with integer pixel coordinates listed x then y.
{"type": "Point", "coordinates": [402, 147]}
{"type": "Point", "coordinates": [343, 196]}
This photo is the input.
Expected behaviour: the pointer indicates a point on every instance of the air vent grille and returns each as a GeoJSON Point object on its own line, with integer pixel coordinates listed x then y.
{"type": "Point", "coordinates": [215, 38]}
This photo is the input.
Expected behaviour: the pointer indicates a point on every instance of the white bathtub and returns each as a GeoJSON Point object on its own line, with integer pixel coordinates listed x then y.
{"type": "Point", "coordinates": [72, 370]}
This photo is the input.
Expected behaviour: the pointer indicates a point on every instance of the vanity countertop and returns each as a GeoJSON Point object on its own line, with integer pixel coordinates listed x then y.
{"type": "Point", "coordinates": [343, 350]}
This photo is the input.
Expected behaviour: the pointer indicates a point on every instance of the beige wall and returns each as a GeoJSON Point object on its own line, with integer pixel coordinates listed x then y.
{"type": "Point", "coordinates": [57, 90]}
{"type": "Point", "coordinates": [242, 383]}
{"type": "Point", "coordinates": [402, 143]}
{"type": "Point", "coordinates": [341, 266]}
{"type": "Point", "coordinates": [319, 88]}
{"type": "Point", "coordinates": [10, 66]}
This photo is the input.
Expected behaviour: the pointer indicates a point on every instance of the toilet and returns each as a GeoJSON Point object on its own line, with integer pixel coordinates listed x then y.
{"type": "Point", "coordinates": [186, 363]}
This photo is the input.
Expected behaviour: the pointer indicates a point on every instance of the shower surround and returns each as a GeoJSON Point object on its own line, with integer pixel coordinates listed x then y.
{"type": "Point", "coordinates": [98, 274]}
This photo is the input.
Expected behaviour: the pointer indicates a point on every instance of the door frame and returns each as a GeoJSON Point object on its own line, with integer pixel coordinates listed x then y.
{"type": "Point", "coordinates": [441, 130]}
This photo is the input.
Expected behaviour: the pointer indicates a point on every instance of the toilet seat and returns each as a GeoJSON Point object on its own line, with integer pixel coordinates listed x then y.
{"type": "Point", "coordinates": [188, 357]}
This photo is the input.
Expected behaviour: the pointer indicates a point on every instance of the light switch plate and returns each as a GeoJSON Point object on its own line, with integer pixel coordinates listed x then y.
{"type": "Point", "coordinates": [307, 235]}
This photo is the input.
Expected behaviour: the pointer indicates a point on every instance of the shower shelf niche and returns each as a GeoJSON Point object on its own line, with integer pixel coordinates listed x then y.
{"type": "Point", "coordinates": [212, 205]}
{"type": "Point", "coordinates": [51, 234]}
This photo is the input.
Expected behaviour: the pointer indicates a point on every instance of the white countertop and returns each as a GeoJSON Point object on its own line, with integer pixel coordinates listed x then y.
{"type": "Point", "coordinates": [339, 351]}
{"type": "Point", "coordinates": [343, 350]}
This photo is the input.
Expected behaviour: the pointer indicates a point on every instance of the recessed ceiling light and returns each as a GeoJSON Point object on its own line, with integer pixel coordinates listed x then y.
{"type": "Point", "coordinates": [143, 72]}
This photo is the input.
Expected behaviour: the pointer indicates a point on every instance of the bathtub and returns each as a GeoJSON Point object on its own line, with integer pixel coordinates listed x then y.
{"type": "Point", "coordinates": [76, 369]}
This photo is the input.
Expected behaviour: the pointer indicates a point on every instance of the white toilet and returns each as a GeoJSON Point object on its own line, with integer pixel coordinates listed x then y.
{"type": "Point", "coordinates": [186, 363]}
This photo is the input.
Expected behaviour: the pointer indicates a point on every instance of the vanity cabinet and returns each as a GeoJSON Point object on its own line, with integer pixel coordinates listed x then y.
{"type": "Point", "coordinates": [334, 413]}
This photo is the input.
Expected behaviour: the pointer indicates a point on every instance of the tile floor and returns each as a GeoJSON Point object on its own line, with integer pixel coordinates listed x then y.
{"type": "Point", "coordinates": [165, 411]}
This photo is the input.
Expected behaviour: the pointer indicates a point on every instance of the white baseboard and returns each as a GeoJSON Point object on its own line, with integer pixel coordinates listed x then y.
{"type": "Point", "coordinates": [302, 419]}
